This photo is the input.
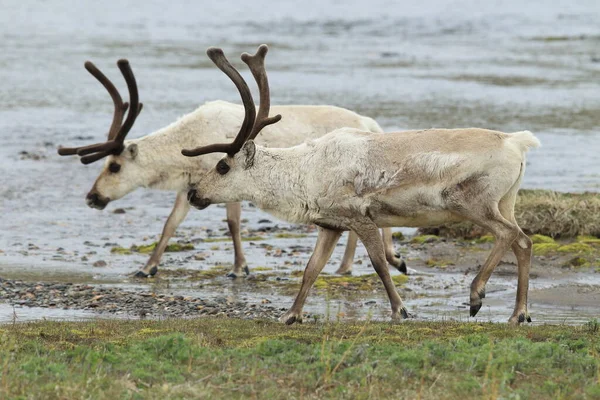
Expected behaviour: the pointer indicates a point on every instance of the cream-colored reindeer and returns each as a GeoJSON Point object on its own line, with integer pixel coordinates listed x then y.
{"type": "Point", "coordinates": [355, 180]}
{"type": "Point", "coordinates": [155, 161]}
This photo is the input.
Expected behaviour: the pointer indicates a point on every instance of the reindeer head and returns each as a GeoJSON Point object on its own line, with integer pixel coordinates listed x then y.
{"type": "Point", "coordinates": [218, 185]}
{"type": "Point", "coordinates": [120, 169]}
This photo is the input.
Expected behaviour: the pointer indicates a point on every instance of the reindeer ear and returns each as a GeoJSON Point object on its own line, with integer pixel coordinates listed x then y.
{"type": "Point", "coordinates": [131, 151]}
{"type": "Point", "coordinates": [248, 152]}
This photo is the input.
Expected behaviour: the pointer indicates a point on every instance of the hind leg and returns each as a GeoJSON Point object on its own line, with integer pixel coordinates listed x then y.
{"type": "Point", "coordinates": [348, 260]}
{"type": "Point", "coordinates": [505, 234]}
{"type": "Point", "coordinates": [523, 249]}
{"type": "Point", "coordinates": [393, 258]}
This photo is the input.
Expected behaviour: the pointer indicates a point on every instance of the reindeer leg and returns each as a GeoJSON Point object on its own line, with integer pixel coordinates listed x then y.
{"type": "Point", "coordinates": [234, 211]}
{"type": "Point", "coordinates": [326, 242]}
{"type": "Point", "coordinates": [522, 247]}
{"type": "Point", "coordinates": [368, 233]}
{"type": "Point", "coordinates": [180, 210]}
{"type": "Point", "coordinates": [348, 260]}
{"type": "Point", "coordinates": [505, 234]}
{"type": "Point", "coordinates": [393, 258]}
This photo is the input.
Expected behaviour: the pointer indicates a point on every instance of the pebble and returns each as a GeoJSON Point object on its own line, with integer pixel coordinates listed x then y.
{"type": "Point", "coordinates": [107, 300]}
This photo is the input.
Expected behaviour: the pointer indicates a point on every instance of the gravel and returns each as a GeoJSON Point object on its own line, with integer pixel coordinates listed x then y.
{"type": "Point", "coordinates": [139, 304]}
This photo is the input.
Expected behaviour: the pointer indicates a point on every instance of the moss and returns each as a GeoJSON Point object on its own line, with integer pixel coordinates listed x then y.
{"type": "Point", "coordinates": [258, 269]}
{"type": "Point", "coordinates": [588, 239]}
{"type": "Point", "coordinates": [436, 262]}
{"type": "Point", "coordinates": [540, 249]}
{"type": "Point", "coordinates": [421, 239]}
{"type": "Point", "coordinates": [362, 282]}
{"type": "Point", "coordinates": [171, 248]}
{"type": "Point", "coordinates": [485, 239]}
{"type": "Point", "coordinates": [286, 235]}
{"type": "Point", "coordinates": [398, 235]}
{"type": "Point", "coordinates": [578, 262]}
{"type": "Point", "coordinates": [575, 248]}
{"type": "Point", "coordinates": [537, 238]}
{"type": "Point", "coordinates": [252, 238]}
{"type": "Point", "coordinates": [120, 250]}
{"type": "Point", "coordinates": [149, 248]}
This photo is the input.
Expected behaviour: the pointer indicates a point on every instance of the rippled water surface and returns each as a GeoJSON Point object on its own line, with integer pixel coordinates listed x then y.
{"type": "Point", "coordinates": [506, 65]}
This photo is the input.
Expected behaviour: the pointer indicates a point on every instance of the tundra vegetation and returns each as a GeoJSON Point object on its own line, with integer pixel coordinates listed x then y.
{"type": "Point", "coordinates": [234, 358]}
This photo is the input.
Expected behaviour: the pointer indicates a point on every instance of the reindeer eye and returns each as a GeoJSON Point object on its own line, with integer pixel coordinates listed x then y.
{"type": "Point", "coordinates": [222, 167]}
{"type": "Point", "coordinates": [114, 167]}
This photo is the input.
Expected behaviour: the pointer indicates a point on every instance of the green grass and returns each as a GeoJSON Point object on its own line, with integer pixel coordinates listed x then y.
{"type": "Point", "coordinates": [228, 358]}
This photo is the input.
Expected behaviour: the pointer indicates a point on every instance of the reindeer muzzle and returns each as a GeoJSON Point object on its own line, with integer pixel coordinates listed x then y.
{"type": "Point", "coordinates": [195, 200]}
{"type": "Point", "coordinates": [94, 200]}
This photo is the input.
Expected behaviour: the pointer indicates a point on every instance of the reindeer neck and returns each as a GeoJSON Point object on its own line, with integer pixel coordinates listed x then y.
{"type": "Point", "coordinates": [278, 185]}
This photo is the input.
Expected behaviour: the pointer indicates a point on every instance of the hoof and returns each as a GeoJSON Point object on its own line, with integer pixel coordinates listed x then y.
{"type": "Point", "coordinates": [475, 309]}
{"type": "Point", "coordinates": [401, 315]}
{"type": "Point", "coordinates": [519, 319]}
{"type": "Point", "coordinates": [246, 270]}
{"type": "Point", "coordinates": [402, 268]}
{"type": "Point", "coordinates": [231, 275]}
{"type": "Point", "coordinates": [290, 318]}
{"type": "Point", "coordinates": [344, 271]}
{"type": "Point", "coordinates": [142, 274]}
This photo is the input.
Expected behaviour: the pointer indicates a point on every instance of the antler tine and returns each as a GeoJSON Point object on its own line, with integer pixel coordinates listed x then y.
{"type": "Point", "coordinates": [256, 63]}
{"type": "Point", "coordinates": [135, 106]}
{"type": "Point", "coordinates": [95, 157]}
{"type": "Point", "coordinates": [119, 111]}
{"type": "Point", "coordinates": [120, 107]}
{"type": "Point", "coordinates": [219, 59]}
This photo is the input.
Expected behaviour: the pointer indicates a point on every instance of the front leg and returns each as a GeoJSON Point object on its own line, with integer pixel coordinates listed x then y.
{"type": "Point", "coordinates": [178, 214]}
{"type": "Point", "coordinates": [326, 242]}
{"type": "Point", "coordinates": [234, 212]}
{"type": "Point", "coordinates": [368, 233]}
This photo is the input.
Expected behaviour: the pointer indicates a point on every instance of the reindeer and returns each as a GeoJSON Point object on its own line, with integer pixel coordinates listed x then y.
{"type": "Point", "coordinates": [155, 162]}
{"type": "Point", "coordinates": [355, 180]}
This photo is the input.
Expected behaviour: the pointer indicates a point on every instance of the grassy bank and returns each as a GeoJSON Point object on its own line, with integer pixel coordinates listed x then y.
{"type": "Point", "coordinates": [228, 358]}
{"type": "Point", "coordinates": [544, 212]}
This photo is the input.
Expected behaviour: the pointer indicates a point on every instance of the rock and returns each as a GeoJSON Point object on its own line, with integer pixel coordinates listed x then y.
{"type": "Point", "coordinates": [99, 263]}
{"type": "Point", "coordinates": [119, 211]}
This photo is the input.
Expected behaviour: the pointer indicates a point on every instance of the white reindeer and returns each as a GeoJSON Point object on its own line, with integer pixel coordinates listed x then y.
{"type": "Point", "coordinates": [155, 161]}
{"type": "Point", "coordinates": [355, 180]}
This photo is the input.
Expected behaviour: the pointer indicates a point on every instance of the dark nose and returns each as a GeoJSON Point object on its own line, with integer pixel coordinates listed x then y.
{"type": "Point", "coordinates": [196, 201]}
{"type": "Point", "coordinates": [95, 201]}
{"type": "Point", "coordinates": [92, 198]}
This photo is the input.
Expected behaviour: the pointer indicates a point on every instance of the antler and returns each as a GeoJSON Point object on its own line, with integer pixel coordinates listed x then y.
{"type": "Point", "coordinates": [256, 63]}
{"type": "Point", "coordinates": [217, 57]}
{"type": "Point", "coordinates": [118, 131]}
{"type": "Point", "coordinates": [248, 131]}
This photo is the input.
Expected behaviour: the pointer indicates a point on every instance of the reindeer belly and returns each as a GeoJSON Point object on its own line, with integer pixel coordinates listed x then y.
{"type": "Point", "coordinates": [411, 207]}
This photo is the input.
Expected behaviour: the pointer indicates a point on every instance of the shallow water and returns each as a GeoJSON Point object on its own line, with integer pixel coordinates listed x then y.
{"type": "Point", "coordinates": [504, 65]}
